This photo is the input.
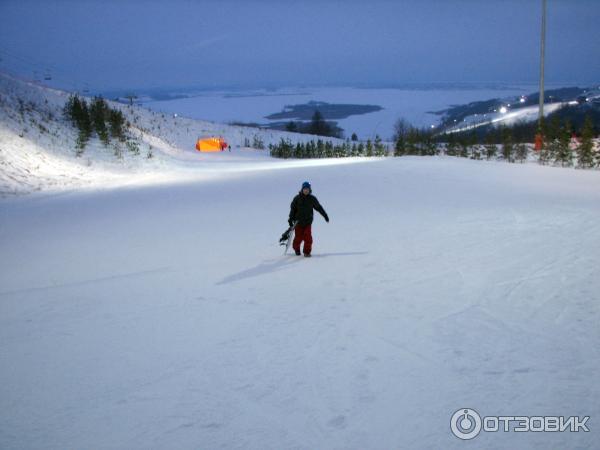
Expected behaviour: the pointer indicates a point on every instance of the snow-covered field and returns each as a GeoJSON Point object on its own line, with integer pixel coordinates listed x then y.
{"type": "Point", "coordinates": [167, 317]}
{"type": "Point", "coordinates": [414, 105]}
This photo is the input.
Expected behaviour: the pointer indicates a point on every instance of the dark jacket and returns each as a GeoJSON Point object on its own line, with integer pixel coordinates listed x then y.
{"type": "Point", "coordinates": [301, 209]}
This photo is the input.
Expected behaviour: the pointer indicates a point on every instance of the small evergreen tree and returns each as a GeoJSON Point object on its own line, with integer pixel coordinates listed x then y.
{"type": "Point", "coordinates": [507, 144]}
{"type": "Point", "coordinates": [116, 122]}
{"type": "Point", "coordinates": [464, 147]}
{"type": "Point", "coordinates": [379, 147]}
{"type": "Point", "coordinates": [84, 124]}
{"type": "Point", "coordinates": [99, 113]}
{"type": "Point", "coordinates": [564, 154]}
{"type": "Point", "coordinates": [400, 146]}
{"type": "Point", "coordinates": [361, 149]}
{"type": "Point", "coordinates": [552, 128]}
{"type": "Point", "coordinates": [413, 142]}
{"type": "Point", "coordinates": [257, 142]}
{"type": "Point", "coordinates": [473, 143]}
{"type": "Point", "coordinates": [585, 149]}
{"type": "Point", "coordinates": [354, 137]}
{"type": "Point", "coordinates": [318, 125]}
{"type": "Point", "coordinates": [69, 109]}
{"type": "Point", "coordinates": [369, 148]}
{"type": "Point", "coordinates": [550, 151]}
{"type": "Point", "coordinates": [521, 151]}
{"type": "Point", "coordinates": [452, 145]}
{"type": "Point", "coordinates": [401, 129]}
{"type": "Point", "coordinates": [132, 146]}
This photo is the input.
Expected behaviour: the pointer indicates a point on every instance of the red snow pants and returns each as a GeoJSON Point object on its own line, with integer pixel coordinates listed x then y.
{"type": "Point", "coordinates": [302, 233]}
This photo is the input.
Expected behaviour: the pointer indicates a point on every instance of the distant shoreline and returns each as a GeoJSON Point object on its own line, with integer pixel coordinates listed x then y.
{"type": "Point", "coordinates": [180, 92]}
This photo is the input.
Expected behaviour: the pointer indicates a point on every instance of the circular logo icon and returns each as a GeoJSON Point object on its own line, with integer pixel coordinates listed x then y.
{"type": "Point", "coordinates": [465, 423]}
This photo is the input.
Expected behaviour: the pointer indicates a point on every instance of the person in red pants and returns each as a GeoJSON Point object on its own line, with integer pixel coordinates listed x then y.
{"type": "Point", "coordinates": [301, 213]}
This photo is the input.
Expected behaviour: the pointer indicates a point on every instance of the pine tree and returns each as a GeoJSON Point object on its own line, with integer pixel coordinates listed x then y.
{"type": "Point", "coordinates": [551, 146]}
{"type": "Point", "coordinates": [413, 141]}
{"type": "Point", "coordinates": [320, 149]}
{"type": "Point", "coordinates": [318, 126]}
{"type": "Point", "coordinates": [379, 147]}
{"type": "Point", "coordinates": [551, 151]}
{"type": "Point", "coordinates": [99, 113]}
{"type": "Point", "coordinates": [521, 151]}
{"type": "Point", "coordinates": [354, 137]}
{"type": "Point", "coordinates": [464, 147]}
{"type": "Point", "coordinates": [69, 109]}
{"type": "Point", "coordinates": [507, 144]}
{"type": "Point", "coordinates": [491, 150]}
{"type": "Point", "coordinates": [564, 154]}
{"type": "Point", "coordinates": [473, 142]}
{"type": "Point", "coordinates": [291, 126]}
{"type": "Point", "coordinates": [401, 129]}
{"type": "Point", "coordinates": [84, 124]}
{"type": "Point", "coordinates": [552, 128]}
{"type": "Point", "coordinates": [116, 122]}
{"type": "Point", "coordinates": [452, 145]}
{"type": "Point", "coordinates": [585, 149]}
{"type": "Point", "coordinates": [361, 149]}
{"type": "Point", "coordinates": [400, 146]}
{"type": "Point", "coordinates": [311, 150]}
{"type": "Point", "coordinates": [369, 148]}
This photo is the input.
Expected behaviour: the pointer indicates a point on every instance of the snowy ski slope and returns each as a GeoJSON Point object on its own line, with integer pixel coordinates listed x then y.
{"type": "Point", "coordinates": [167, 317]}
{"type": "Point", "coordinates": [163, 314]}
{"type": "Point", "coordinates": [33, 159]}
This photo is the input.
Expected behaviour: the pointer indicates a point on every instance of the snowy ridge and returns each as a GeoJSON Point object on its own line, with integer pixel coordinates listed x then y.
{"type": "Point", "coordinates": [37, 145]}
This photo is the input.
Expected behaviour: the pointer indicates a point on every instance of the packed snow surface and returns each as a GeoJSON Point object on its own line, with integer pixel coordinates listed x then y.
{"type": "Point", "coordinates": [166, 316]}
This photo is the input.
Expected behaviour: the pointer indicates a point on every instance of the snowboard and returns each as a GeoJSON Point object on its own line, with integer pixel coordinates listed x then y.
{"type": "Point", "coordinates": [287, 238]}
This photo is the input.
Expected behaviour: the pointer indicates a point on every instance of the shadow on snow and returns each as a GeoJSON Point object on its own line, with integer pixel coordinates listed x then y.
{"type": "Point", "coordinates": [274, 265]}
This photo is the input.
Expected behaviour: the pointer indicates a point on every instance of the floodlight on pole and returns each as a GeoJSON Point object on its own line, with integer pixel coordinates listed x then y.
{"type": "Point", "coordinates": [539, 138]}
{"type": "Point", "coordinates": [542, 57]}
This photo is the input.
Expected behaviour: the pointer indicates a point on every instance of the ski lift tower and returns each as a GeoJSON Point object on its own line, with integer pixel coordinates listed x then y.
{"type": "Point", "coordinates": [131, 98]}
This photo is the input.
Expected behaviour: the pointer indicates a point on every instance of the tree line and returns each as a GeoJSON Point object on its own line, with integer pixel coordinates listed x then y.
{"type": "Point", "coordinates": [317, 126]}
{"type": "Point", "coordinates": [559, 147]}
{"type": "Point", "coordinates": [327, 149]}
{"type": "Point", "coordinates": [97, 117]}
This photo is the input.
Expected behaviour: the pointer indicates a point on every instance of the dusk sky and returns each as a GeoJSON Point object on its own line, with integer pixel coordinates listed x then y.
{"type": "Point", "coordinates": [142, 44]}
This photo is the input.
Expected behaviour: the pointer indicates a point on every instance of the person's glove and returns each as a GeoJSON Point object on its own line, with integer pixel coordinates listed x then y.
{"type": "Point", "coordinates": [326, 218]}
{"type": "Point", "coordinates": [291, 222]}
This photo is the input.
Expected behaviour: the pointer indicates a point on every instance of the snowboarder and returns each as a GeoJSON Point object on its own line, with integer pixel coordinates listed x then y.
{"type": "Point", "coordinates": [301, 211]}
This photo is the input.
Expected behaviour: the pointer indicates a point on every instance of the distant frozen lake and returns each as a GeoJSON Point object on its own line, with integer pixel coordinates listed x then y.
{"type": "Point", "coordinates": [412, 104]}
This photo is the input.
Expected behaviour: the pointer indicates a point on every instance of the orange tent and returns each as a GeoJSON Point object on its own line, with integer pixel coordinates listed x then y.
{"type": "Point", "coordinates": [211, 144]}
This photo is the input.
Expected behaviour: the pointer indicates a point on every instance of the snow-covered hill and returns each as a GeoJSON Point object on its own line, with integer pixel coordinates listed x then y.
{"type": "Point", "coordinates": [164, 315]}
{"type": "Point", "coordinates": [504, 117]}
{"type": "Point", "coordinates": [37, 145]}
